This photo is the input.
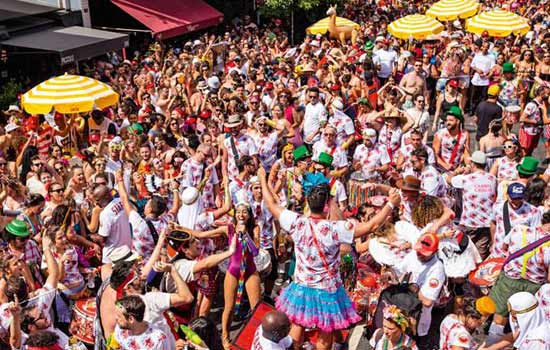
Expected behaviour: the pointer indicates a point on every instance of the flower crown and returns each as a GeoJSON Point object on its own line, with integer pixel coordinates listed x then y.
{"type": "Point", "coordinates": [393, 313]}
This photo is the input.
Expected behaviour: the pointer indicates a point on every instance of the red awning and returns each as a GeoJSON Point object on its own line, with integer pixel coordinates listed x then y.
{"type": "Point", "coordinates": [169, 18]}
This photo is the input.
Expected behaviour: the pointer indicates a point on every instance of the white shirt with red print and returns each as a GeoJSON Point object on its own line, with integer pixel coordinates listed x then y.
{"type": "Point", "coordinates": [339, 155]}
{"type": "Point", "coordinates": [244, 145]}
{"type": "Point", "coordinates": [369, 158]}
{"type": "Point", "coordinates": [343, 125]}
{"type": "Point", "coordinates": [192, 172]}
{"type": "Point", "coordinates": [151, 339]}
{"type": "Point", "coordinates": [391, 140]}
{"type": "Point", "coordinates": [479, 193]}
{"type": "Point", "coordinates": [454, 333]}
{"type": "Point", "coordinates": [431, 182]}
{"type": "Point", "coordinates": [506, 169]}
{"type": "Point", "coordinates": [264, 219]}
{"type": "Point", "coordinates": [533, 112]}
{"type": "Point", "coordinates": [448, 143]}
{"type": "Point", "coordinates": [142, 237]}
{"type": "Point", "coordinates": [310, 268]}
{"type": "Point", "coordinates": [527, 215]}
{"type": "Point", "coordinates": [267, 148]}
{"type": "Point", "coordinates": [429, 276]}
{"type": "Point", "coordinates": [543, 296]}
{"type": "Point", "coordinates": [72, 276]}
{"type": "Point", "coordinates": [406, 151]}
{"type": "Point", "coordinates": [533, 265]}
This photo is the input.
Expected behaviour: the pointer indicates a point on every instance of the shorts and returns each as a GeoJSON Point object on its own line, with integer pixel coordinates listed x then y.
{"type": "Point", "coordinates": [505, 287]}
{"type": "Point", "coordinates": [528, 142]}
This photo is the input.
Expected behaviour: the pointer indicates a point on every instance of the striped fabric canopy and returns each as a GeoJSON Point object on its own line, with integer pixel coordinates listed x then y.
{"type": "Point", "coordinates": [321, 27]}
{"type": "Point", "coordinates": [415, 26]}
{"type": "Point", "coordinates": [68, 94]}
{"type": "Point", "coordinates": [449, 10]}
{"type": "Point", "coordinates": [497, 23]}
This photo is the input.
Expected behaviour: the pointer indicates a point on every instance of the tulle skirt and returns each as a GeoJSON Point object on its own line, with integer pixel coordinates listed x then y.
{"type": "Point", "coordinates": [317, 308]}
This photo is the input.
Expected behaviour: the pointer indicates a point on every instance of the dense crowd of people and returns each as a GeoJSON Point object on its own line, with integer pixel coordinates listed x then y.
{"type": "Point", "coordinates": [399, 185]}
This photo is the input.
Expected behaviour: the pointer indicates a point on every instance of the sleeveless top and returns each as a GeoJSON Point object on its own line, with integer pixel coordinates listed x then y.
{"type": "Point", "coordinates": [448, 143]}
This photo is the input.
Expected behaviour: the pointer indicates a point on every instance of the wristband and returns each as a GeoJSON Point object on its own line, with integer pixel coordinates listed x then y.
{"type": "Point", "coordinates": [390, 204]}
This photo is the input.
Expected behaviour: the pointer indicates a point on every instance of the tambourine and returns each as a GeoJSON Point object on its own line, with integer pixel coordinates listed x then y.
{"type": "Point", "coordinates": [487, 272]}
{"type": "Point", "coordinates": [178, 235]}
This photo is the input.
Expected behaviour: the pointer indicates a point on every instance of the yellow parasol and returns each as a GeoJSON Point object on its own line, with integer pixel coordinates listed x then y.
{"type": "Point", "coordinates": [321, 27]}
{"type": "Point", "coordinates": [415, 26]}
{"type": "Point", "coordinates": [449, 10]}
{"type": "Point", "coordinates": [497, 23]}
{"type": "Point", "coordinates": [68, 94]}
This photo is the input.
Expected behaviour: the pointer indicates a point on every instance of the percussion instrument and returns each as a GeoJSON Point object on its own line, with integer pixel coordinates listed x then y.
{"type": "Point", "coordinates": [387, 253]}
{"type": "Point", "coordinates": [263, 262]}
{"type": "Point", "coordinates": [487, 272]}
{"type": "Point", "coordinates": [358, 191]}
{"type": "Point", "coordinates": [82, 323]}
{"type": "Point", "coordinates": [178, 235]}
{"type": "Point", "coordinates": [511, 114]}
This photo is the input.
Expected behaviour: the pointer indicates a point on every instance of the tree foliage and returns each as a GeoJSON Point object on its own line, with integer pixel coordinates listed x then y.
{"type": "Point", "coordinates": [282, 8]}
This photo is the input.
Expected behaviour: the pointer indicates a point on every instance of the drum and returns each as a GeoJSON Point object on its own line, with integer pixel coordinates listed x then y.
{"type": "Point", "coordinates": [486, 273]}
{"type": "Point", "coordinates": [358, 192]}
{"type": "Point", "coordinates": [263, 262]}
{"type": "Point", "coordinates": [511, 114]}
{"type": "Point", "coordinates": [82, 323]}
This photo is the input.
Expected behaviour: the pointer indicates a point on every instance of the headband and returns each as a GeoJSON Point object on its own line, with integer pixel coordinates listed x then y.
{"type": "Point", "coordinates": [393, 313]}
{"type": "Point", "coordinates": [129, 279]}
{"type": "Point", "coordinates": [523, 311]}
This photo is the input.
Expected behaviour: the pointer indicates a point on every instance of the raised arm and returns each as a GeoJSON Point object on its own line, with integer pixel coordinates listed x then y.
{"type": "Point", "coordinates": [273, 207]}
{"type": "Point", "coordinates": [122, 193]}
{"type": "Point", "coordinates": [53, 269]}
{"type": "Point", "coordinates": [364, 228]}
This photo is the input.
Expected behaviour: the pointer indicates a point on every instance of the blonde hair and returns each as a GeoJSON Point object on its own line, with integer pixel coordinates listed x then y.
{"type": "Point", "coordinates": [386, 230]}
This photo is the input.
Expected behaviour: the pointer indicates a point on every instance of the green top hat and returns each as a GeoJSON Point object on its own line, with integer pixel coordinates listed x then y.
{"type": "Point", "coordinates": [528, 166]}
{"type": "Point", "coordinates": [300, 153]}
{"type": "Point", "coordinates": [18, 228]}
{"type": "Point", "coordinates": [324, 159]}
{"type": "Point", "coordinates": [508, 67]}
{"type": "Point", "coordinates": [456, 112]}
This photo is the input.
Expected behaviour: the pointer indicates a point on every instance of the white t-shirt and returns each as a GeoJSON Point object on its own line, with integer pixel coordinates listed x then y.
{"type": "Point", "coordinates": [386, 59]}
{"type": "Point", "coordinates": [152, 339]}
{"type": "Point", "coordinates": [483, 63]}
{"type": "Point", "coordinates": [479, 194]}
{"type": "Point", "coordinates": [314, 116]}
{"type": "Point", "coordinates": [156, 303]}
{"type": "Point", "coordinates": [115, 227]}
{"type": "Point", "coordinates": [429, 276]}
{"type": "Point", "coordinates": [454, 333]}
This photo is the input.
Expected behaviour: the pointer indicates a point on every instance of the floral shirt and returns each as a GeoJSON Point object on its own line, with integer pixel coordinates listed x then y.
{"type": "Point", "coordinates": [407, 149]}
{"type": "Point", "coordinates": [527, 215]}
{"type": "Point", "coordinates": [267, 148]}
{"type": "Point", "coordinates": [533, 112]}
{"type": "Point", "coordinates": [343, 125]}
{"type": "Point", "coordinates": [533, 265]}
{"type": "Point", "coordinates": [72, 276]}
{"type": "Point", "coordinates": [543, 296]}
{"type": "Point", "coordinates": [454, 333]}
{"type": "Point", "coordinates": [264, 218]}
{"type": "Point", "coordinates": [151, 339]}
{"type": "Point", "coordinates": [506, 169]}
{"type": "Point", "coordinates": [448, 143]}
{"type": "Point", "coordinates": [391, 139]}
{"type": "Point", "coordinates": [142, 237]}
{"type": "Point", "coordinates": [192, 172]}
{"type": "Point", "coordinates": [317, 252]}
{"type": "Point", "coordinates": [244, 145]}
{"type": "Point", "coordinates": [478, 196]}
{"type": "Point", "coordinates": [432, 182]}
{"type": "Point", "coordinates": [370, 158]}
{"type": "Point", "coordinates": [340, 156]}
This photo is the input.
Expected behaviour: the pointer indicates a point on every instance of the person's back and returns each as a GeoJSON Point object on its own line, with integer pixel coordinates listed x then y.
{"type": "Point", "coordinates": [115, 227]}
{"type": "Point", "coordinates": [486, 112]}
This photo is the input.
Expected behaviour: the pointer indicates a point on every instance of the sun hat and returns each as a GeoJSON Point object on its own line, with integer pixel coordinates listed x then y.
{"type": "Point", "coordinates": [301, 152]}
{"type": "Point", "coordinates": [233, 121]}
{"type": "Point", "coordinates": [189, 195]}
{"type": "Point", "coordinates": [324, 159]}
{"type": "Point", "coordinates": [18, 228]}
{"type": "Point", "coordinates": [337, 104]}
{"type": "Point", "coordinates": [122, 253]}
{"type": "Point", "coordinates": [409, 183]}
{"type": "Point", "coordinates": [508, 67]}
{"type": "Point", "coordinates": [479, 157]}
{"type": "Point", "coordinates": [427, 244]}
{"type": "Point", "coordinates": [528, 166]}
{"type": "Point", "coordinates": [12, 109]}
{"type": "Point", "coordinates": [394, 114]}
{"type": "Point", "coordinates": [10, 127]}
{"type": "Point", "coordinates": [516, 190]}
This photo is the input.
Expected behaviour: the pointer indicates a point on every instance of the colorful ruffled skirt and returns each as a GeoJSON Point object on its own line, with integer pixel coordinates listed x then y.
{"type": "Point", "coordinates": [317, 308]}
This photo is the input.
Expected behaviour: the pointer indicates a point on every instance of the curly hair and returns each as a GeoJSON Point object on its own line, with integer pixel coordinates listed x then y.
{"type": "Point", "coordinates": [427, 210]}
{"type": "Point", "coordinates": [387, 229]}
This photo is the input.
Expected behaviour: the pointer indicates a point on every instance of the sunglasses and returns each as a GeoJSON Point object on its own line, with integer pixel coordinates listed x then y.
{"type": "Point", "coordinates": [420, 101]}
{"type": "Point", "coordinates": [3, 164]}
{"type": "Point", "coordinates": [57, 190]}
{"type": "Point", "coordinates": [36, 164]}
{"type": "Point", "coordinates": [313, 96]}
{"type": "Point", "coordinates": [56, 169]}
{"type": "Point", "coordinates": [508, 146]}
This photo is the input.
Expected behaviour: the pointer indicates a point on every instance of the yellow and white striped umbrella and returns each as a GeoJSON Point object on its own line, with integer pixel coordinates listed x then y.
{"type": "Point", "coordinates": [68, 94]}
{"type": "Point", "coordinates": [415, 26]}
{"type": "Point", "coordinates": [449, 10]}
{"type": "Point", "coordinates": [321, 27]}
{"type": "Point", "coordinates": [497, 23]}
